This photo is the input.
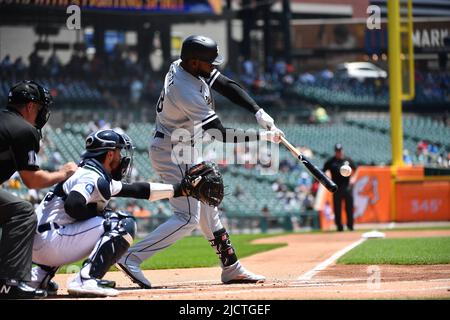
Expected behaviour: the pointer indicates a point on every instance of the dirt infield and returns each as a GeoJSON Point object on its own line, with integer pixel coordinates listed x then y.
{"type": "Point", "coordinates": [292, 273]}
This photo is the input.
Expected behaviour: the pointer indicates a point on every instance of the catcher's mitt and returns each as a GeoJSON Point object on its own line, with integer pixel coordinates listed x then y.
{"type": "Point", "coordinates": [204, 182]}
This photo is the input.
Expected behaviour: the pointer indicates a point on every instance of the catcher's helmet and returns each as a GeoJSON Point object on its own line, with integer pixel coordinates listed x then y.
{"type": "Point", "coordinates": [102, 141]}
{"type": "Point", "coordinates": [30, 91]}
{"type": "Point", "coordinates": [201, 48]}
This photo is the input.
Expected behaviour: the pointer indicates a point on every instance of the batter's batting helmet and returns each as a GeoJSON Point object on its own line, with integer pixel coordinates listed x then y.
{"type": "Point", "coordinates": [201, 48]}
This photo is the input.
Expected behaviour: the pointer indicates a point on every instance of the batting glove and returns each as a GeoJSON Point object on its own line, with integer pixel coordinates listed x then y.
{"type": "Point", "coordinates": [264, 120]}
{"type": "Point", "coordinates": [272, 136]}
{"type": "Point", "coordinates": [277, 131]}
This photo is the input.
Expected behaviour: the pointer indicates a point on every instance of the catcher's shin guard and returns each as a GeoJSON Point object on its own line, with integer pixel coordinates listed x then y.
{"type": "Point", "coordinates": [111, 247]}
{"type": "Point", "coordinates": [224, 248]}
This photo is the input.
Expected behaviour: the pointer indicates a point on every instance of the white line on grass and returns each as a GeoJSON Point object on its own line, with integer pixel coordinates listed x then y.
{"type": "Point", "coordinates": [323, 265]}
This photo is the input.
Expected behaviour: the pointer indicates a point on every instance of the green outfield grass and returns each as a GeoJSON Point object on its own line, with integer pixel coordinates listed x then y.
{"type": "Point", "coordinates": [195, 251]}
{"type": "Point", "coordinates": [433, 250]}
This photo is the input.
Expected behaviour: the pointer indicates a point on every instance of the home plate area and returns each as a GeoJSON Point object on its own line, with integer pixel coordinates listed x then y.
{"type": "Point", "coordinates": [304, 269]}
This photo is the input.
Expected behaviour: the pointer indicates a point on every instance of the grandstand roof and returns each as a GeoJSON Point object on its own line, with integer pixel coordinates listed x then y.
{"type": "Point", "coordinates": [18, 12]}
{"type": "Point", "coordinates": [421, 8]}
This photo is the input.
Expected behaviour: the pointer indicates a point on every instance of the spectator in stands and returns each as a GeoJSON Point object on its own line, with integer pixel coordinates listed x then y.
{"type": "Point", "coordinates": [307, 152]}
{"type": "Point", "coordinates": [420, 156]}
{"type": "Point", "coordinates": [407, 158]}
{"type": "Point", "coordinates": [259, 83]}
{"type": "Point", "coordinates": [34, 197]}
{"type": "Point", "coordinates": [266, 212]}
{"type": "Point", "coordinates": [307, 78]}
{"type": "Point", "coordinates": [92, 127]}
{"type": "Point", "coordinates": [307, 201]}
{"type": "Point", "coordinates": [136, 88]}
{"type": "Point", "coordinates": [320, 115]}
{"type": "Point", "coordinates": [249, 71]}
{"type": "Point", "coordinates": [131, 206]}
{"type": "Point", "coordinates": [53, 65]}
{"type": "Point", "coordinates": [280, 68]}
{"type": "Point", "coordinates": [267, 216]}
{"type": "Point", "coordinates": [103, 125]}
{"type": "Point", "coordinates": [135, 176]}
{"type": "Point", "coordinates": [445, 118]}
{"type": "Point", "coordinates": [6, 67]}
{"type": "Point", "coordinates": [291, 201]}
{"type": "Point", "coordinates": [326, 74]}
{"type": "Point", "coordinates": [20, 69]}
{"type": "Point", "coordinates": [141, 212]}
{"type": "Point", "coordinates": [35, 64]}
{"type": "Point", "coordinates": [160, 210]}
{"type": "Point", "coordinates": [304, 182]}
{"type": "Point", "coordinates": [239, 193]}
{"type": "Point", "coordinates": [285, 165]}
{"type": "Point", "coordinates": [276, 186]}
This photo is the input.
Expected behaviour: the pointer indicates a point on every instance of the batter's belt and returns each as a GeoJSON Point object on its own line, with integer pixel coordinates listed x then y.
{"type": "Point", "coordinates": [162, 136]}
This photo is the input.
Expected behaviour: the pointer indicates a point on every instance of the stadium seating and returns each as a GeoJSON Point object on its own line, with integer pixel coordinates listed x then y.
{"type": "Point", "coordinates": [248, 191]}
{"type": "Point", "coordinates": [415, 128]}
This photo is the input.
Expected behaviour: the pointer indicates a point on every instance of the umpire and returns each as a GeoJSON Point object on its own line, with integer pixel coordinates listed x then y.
{"type": "Point", "coordinates": [20, 132]}
{"type": "Point", "coordinates": [345, 185]}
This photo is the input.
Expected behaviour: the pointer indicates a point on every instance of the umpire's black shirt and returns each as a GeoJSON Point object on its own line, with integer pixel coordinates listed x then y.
{"type": "Point", "coordinates": [334, 164]}
{"type": "Point", "coordinates": [19, 144]}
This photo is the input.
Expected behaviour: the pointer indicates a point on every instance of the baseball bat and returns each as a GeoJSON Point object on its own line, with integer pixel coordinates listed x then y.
{"type": "Point", "coordinates": [315, 172]}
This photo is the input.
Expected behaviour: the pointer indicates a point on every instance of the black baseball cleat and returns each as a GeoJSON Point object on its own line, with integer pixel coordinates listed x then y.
{"type": "Point", "coordinates": [13, 289]}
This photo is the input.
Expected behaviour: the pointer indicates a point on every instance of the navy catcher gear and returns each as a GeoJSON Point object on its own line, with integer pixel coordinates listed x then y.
{"type": "Point", "coordinates": [102, 141]}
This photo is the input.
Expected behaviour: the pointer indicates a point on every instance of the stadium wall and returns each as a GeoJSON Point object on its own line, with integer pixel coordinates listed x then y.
{"type": "Point", "coordinates": [410, 197]}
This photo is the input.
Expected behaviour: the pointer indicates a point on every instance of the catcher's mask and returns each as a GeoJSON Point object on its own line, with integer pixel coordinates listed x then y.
{"type": "Point", "coordinates": [30, 91]}
{"type": "Point", "coordinates": [102, 141]}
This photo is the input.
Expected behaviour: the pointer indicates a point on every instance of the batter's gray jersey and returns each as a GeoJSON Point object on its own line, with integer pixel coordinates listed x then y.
{"type": "Point", "coordinates": [185, 102]}
{"type": "Point", "coordinates": [187, 105]}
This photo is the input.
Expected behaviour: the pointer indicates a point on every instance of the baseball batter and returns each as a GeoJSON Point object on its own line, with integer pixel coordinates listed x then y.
{"type": "Point", "coordinates": [186, 105]}
{"type": "Point", "coordinates": [74, 222]}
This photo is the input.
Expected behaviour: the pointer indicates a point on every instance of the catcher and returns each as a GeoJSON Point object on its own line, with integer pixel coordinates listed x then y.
{"type": "Point", "coordinates": [74, 222]}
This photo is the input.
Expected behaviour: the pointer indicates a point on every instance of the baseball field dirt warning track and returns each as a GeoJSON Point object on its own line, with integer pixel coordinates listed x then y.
{"type": "Point", "coordinates": [304, 269]}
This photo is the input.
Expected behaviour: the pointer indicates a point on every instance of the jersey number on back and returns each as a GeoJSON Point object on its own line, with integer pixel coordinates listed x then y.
{"type": "Point", "coordinates": [159, 104]}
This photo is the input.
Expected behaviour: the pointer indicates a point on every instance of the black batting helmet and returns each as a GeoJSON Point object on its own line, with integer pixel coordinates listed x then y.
{"type": "Point", "coordinates": [201, 48]}
{"type": "Point", "coordinates": [30, 91]}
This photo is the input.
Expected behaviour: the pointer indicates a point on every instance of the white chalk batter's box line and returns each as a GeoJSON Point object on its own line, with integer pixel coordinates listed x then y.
{"type": "Point", "coordinates": [305, 277]}
{"type": "Point", "coordinates": [304, 280]}
{"type": "Point", "coordinates": [316, 285]}
{"type": "Point", "coordinates": [323, 265]}
{"type": "Point", "coordinates": [275, 290]}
